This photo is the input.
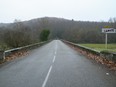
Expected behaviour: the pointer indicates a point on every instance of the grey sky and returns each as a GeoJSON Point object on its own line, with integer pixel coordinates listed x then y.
{"type": "Point", "coordinates": [85, 10]}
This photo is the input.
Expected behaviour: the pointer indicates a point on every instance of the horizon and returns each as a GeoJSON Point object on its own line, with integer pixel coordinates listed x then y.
{"type": "Point", "coordinates": [50, 17]}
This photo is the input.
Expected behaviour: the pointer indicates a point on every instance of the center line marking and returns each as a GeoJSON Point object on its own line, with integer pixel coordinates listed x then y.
{"type": "Point", "coordinates": [55, 52]}
{"type": "Point", "coordinates": [46, 79]}
{"type": "Point", "coordinates": [54, 59]}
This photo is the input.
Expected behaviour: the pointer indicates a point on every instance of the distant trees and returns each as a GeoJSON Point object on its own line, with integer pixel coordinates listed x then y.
{"type": "Point", "coordinates": [44, 35]}
{"type": "Point", "coordinates": [18, 36]}
{"type": "Point", "coordinates": [112, 20]}
{"type": "Point", "coordinates": [23, 33]}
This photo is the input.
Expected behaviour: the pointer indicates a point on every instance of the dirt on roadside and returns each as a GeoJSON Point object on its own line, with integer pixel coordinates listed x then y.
{"type": "Point", "coordinates": [110, 64]}
{"type": "Point", "coordinates": [15, 55]}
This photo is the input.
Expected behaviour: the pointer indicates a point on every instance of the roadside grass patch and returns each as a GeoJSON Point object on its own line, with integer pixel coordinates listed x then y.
{"type": "Point", "coordinates": [101, 47]}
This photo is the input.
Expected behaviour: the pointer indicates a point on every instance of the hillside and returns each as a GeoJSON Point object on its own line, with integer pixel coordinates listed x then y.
{"type": "Point", "coordinates": [76, 31]}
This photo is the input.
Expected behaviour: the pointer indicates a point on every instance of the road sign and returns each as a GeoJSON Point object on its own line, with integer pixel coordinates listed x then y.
{"type": "Point", "coordinates": [108, 30]}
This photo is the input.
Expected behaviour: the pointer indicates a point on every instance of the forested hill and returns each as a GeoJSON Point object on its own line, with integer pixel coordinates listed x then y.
{"type": "Point", "coordinates": [76, 31]}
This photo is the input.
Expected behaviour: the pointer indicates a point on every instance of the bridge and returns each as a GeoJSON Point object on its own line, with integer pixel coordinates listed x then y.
{"type": "Point", "coordinates": [55, 65]}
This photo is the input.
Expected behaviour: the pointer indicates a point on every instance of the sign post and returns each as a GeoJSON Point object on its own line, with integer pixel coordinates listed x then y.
{"type": "Point", "coordinates": [106, 41]}
{"type": "Point", "coordinates": [106, 31]}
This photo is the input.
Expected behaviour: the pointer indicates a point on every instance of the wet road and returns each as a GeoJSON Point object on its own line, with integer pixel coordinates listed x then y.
{"type": "Point", "coordinates": [55, 65]}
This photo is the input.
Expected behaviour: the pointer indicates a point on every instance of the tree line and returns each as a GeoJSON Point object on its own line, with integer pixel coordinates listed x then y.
{"type": "Point", "coordinates": [27, 32]}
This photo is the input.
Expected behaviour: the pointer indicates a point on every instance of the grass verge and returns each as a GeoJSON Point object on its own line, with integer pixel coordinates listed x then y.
{"type": "Point", "coordinates": [101, 47]}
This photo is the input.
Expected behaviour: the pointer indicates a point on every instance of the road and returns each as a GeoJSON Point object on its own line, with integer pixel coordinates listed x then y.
{"type": "Point", "coordinates": [55, 65]}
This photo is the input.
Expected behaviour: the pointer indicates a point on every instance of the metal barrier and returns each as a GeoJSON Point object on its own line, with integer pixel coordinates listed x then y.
{"type": "Point", "coordinates": [3, 54]}
{"type": "Point", "coordinates": [108, 56]}
{"type": "Point", "coordinates": [83, 47]}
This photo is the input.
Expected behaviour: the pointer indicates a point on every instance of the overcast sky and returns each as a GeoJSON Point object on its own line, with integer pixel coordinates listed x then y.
{"type": "Point", "coordinates": [85, 10]}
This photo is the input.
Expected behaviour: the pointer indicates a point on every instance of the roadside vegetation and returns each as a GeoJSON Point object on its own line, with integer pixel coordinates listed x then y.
{"type": "Point", "coordinates": [44, 35]}
{"type": "Point", "coordinates": [21, 33]}
{"type": "Point", "coordinates": [101, 47]}
{"type": "Point", "coordinates": [18, 34]}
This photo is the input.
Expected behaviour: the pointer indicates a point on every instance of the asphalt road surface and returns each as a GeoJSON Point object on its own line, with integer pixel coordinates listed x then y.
{"type": "Point", "coordinates": [55, 65]}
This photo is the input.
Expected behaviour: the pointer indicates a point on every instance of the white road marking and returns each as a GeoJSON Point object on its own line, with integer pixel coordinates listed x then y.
{"type": "Point", "coordinates": [55, 52]}
{"type": "Point", "coordinates": [56, 45]}
{"type": "Point", "coordinates": [56, 48]}
{"type": "Point", "coordinates": [46, 79]}
{"type": "Point", "coordinates": [54, 59]}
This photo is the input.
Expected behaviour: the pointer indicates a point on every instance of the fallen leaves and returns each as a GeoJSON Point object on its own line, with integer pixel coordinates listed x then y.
{"type": "Point", "coordinates": [98, 59]}
{"type": "Point", "coordinates": [15, 55]}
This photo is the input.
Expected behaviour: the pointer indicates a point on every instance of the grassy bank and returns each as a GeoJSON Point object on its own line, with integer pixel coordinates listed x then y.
{"type": "Point", "coordinates": [101, 47]}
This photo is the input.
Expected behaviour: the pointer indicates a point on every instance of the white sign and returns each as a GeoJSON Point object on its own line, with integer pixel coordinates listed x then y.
{"type": "Point", "coordinates": [108, 30]}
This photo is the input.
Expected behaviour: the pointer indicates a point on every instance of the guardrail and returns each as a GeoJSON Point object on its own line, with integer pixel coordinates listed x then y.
{"type": "Point", "coordinates": [106, 55]}
{"type": "Point", "coordinates": [3, 54]}
{"type": "Point", "coordinates": [83, 47]}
